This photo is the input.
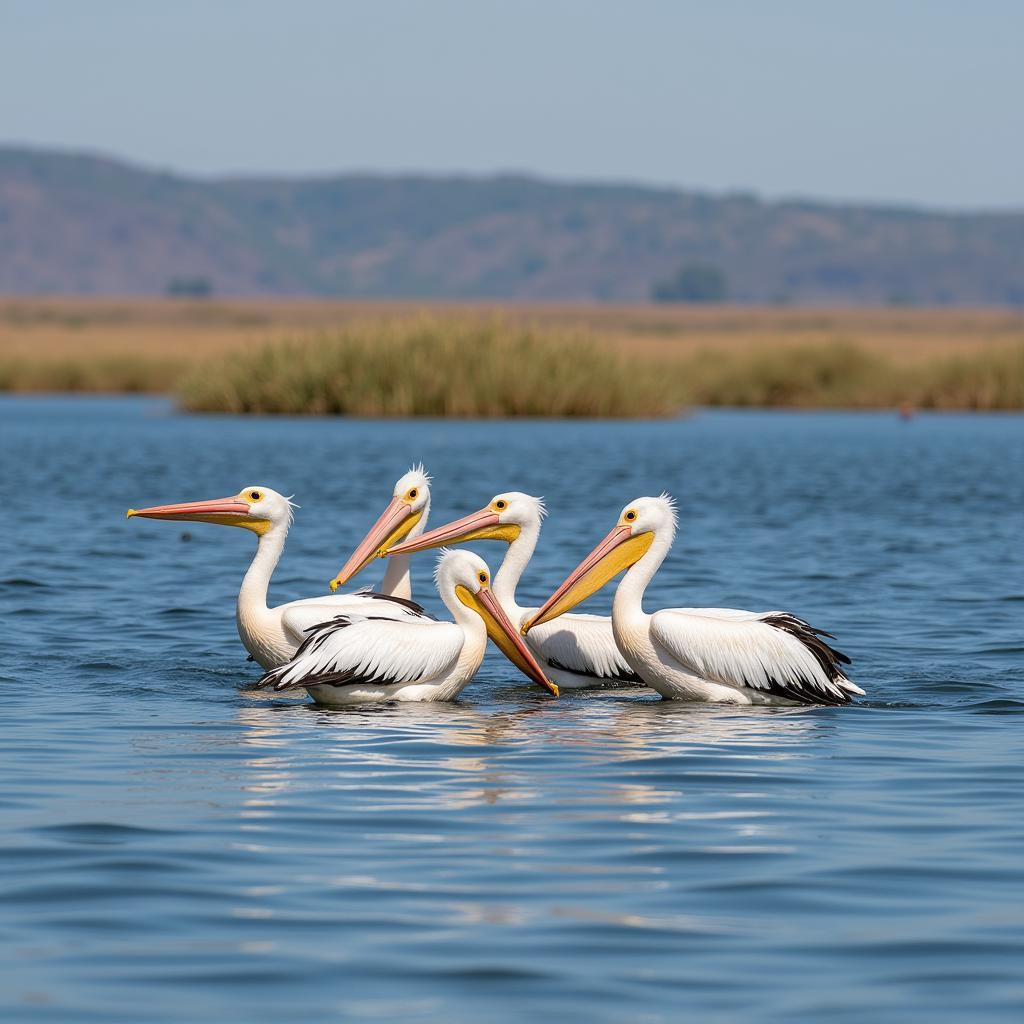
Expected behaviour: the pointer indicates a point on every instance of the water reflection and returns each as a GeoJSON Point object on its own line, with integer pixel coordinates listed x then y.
{"type": "Point", "coordinates": [591, 756]}
{"type": "Point", "coordinates": [616, 726]}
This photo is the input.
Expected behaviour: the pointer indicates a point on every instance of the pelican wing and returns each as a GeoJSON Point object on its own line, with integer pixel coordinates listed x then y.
{"type": "Point", "coordinates": [352, 649]}
{"type": "Point", "coordinates": [583, 644]}
{"type": "Point", "coordinates": [298, 617]}
{"type": "Point", "coordinates": [773, 652]}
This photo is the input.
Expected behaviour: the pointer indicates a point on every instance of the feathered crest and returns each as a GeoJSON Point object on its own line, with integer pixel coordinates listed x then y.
{"type": "Point", "coordinates": [414, 476]}
{"type": "Point", "coordinates": [473, 560]}
{"type": "Point", "coordinates": [672, 506]}
{"type": "Point", "coordinates": [421, 469]}
{"type": "Point", "coordinates": [292, 506]}
{"type": "Point", "coordinates": [441, 556]}
{"type": "Point", "coordinates": [523, 499]}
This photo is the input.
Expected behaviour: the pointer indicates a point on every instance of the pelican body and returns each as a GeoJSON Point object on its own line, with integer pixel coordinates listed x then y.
{"type": "Point", "coordinates": [699, 654]}
{"type": "Point", "coordinates": [577, 651]}
{"type": "Point", "coordinates": [356, 659]}
{"type": "Point", "coordinates": [272, 635]}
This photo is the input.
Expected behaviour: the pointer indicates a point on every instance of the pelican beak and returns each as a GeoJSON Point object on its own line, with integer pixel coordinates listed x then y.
{"type": "Point", "coordinates": [482, 525]}
{"type": "Point", "coordinates": [395, 523]}
{"type": "Point", "coordinates": [618, 551]}
{"type": "Point", "coordinates": [225, 511]}
{"type": "Point", "coordinates": [504, 634]}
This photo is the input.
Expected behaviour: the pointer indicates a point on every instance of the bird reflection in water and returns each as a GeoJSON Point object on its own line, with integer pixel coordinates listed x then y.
{"type": "Point", "coordinates": [413, 755]}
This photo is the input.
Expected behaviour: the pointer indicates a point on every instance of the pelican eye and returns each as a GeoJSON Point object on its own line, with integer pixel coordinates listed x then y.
{"type": "Point", "coordinates": [501, 504]}
{"type": "Point", "coordinates": [255, 495]}
{"type": "Point", "coordinates": [413, 493]}
{"type": "Point", "coordinates": [630, 515]}
{"type": "Point", "coordinates": [482, 577]}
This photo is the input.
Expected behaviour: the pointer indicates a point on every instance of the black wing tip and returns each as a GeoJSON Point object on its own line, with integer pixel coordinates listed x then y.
{"type": "Point", "coordinates": [807, 694]}
{"type": "Point", "coordinates": [827, 656]}
{"type": "Point", "coordinates": [271, 678]}
{"type": "Point", "coordinates": [405, 602]}
{"type": "Point", "coordinates": [336, 622]}
{"type": "Point", "coordinates": [317, 635]}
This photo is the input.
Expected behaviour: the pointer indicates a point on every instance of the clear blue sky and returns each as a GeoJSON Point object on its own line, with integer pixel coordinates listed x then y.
{"type": "Point", "coordinates": [919, 100]}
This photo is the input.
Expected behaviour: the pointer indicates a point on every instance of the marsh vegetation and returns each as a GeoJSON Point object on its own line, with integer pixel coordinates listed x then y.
{"type": "Point", "coordinates": [394, 360]}
{"type": "Point", "coordinates": [434, 367]}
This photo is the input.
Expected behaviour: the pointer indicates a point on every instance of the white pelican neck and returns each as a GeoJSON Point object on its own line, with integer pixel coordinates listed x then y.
{"type": "Point", "coordinates": [514, 564]}
{"type": "Point", "coordinates": [629, 594]}
{"type": "Point", "coordinates": [465, 617]}
{"type": "Point", "coordinates": [397, 580]}
{"type": "Point", "coordinates": [252, 597]}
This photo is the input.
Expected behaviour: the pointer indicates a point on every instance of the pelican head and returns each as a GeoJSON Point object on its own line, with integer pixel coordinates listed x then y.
{"type": "Point", "coordinates": [255, 508]}
{"type": "Point", "coordinates": [463, 577]}
{"type": "Point", "coordinates": [504, 517]}
{"type": "Point", "coordinates": [409, 505]}
{"type": "Point", "coordinates": [639, 523]}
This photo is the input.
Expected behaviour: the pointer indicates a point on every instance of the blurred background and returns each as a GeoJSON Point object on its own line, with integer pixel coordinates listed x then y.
{"type": "Point", "coordinates": [794, 204]}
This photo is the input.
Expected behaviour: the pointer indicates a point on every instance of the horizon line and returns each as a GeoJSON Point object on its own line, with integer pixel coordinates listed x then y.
{"type": "Point", "coordinates": [539, 177]}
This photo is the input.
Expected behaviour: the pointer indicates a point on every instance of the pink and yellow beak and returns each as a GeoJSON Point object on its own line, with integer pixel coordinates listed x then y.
{"type": "Point", "coordinates": [482, 525]}
{"type": "Point", "coordinates": [505, 636]}
{"type": "Point", "coordinates": [231, 511]}
{"type": "Point", "coordinates": [393, 525]}
{"type": "Point", "coordinates": [617, 552]}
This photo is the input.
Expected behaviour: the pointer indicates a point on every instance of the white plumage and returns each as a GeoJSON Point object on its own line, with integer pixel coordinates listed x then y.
{"type": "Point", "coordinates": [353, 659]}
{"type": "Point", "coordinates": [699, 654]}
{"type": "Point", "coordinates": [580, 650]}
{"type": "Point", "coordinates": [355, 649]}
{"type": "Point", "coordinates": [577, 651]}
{"type": "Point", "coordinates": [272, 635]}
{"type": "Point", "coordinates": [768, 652]}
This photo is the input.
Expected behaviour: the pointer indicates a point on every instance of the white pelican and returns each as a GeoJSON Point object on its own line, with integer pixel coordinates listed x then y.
{"type": "Point", "coordinates": [699, 654]}
{"type": "Point", "coordinates": [577, 650]}
{"type": "Point", "coordinates": [271, 635]}
{"type": "Point", "coordinates": [405, 517]}
{"type": "Point", "coordinates": [355, 659]}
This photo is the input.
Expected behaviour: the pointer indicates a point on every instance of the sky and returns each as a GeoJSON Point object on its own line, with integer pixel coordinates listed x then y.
{"type": "Point", "coordinates": [900, 101]}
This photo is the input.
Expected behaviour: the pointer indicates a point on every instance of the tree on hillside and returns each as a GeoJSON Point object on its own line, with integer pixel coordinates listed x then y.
{"type": "Point", "coordinates": [694, 282]}
{"type": "Point", "coordinates": [189, 288]}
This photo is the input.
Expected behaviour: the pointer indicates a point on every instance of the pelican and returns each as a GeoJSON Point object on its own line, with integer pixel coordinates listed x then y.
{"type": "Point", "coordinates": [699, 654]}
{"type": "Point", "coordinates": [577, 651]}
{"type": "Point", "coordinates": [272, 635]}
{"type": "Point", "coordinates": [355, 659]}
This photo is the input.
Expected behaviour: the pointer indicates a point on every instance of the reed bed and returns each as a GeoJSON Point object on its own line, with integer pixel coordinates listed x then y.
{"type": "Point", "coordinates": [846, 376]}
{"type": "Point", "coordinates": [390, 360]}
{"type": "Point", "coordinates": [117, 374]}
{"type": "Point", "coordinates": [426, 367]}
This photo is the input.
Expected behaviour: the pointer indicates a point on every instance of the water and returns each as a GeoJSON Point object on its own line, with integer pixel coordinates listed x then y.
{"type": "Point", "coordinates": [175, 848]}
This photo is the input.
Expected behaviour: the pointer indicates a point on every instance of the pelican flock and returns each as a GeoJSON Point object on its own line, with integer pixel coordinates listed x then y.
{"type": "Point", "coordinates": [353, 659]}
{"type": "Point", "coordinates": [272, 635]}
{"type": "Point", "coordinates": [578, 650]}
{"type": "Point", "coordinates": [371, 646]}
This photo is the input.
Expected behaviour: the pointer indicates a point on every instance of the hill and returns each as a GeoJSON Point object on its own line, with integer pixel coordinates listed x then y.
{"type": "Point", "coordinates": [86, 225]}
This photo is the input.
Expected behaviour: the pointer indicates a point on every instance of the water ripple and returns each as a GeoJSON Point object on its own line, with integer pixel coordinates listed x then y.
{"type": "Point", "coordinates": [178, 846]}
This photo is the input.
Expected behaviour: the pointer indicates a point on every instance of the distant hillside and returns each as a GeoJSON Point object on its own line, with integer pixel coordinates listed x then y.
{"type": "Point", "coordinates": [85, 225]}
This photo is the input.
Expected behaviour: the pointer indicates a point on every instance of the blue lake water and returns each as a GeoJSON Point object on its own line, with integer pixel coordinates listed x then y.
{"type": "Point", "coordinates": [175, 848]}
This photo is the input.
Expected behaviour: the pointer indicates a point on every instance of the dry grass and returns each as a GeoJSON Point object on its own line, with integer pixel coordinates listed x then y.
{"type": "Point", "coordinates": [392, 359]}
{"type": "Point", "coordinates": [848, 376]}
{"type": "Point", "coordinates": [434, 367]}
